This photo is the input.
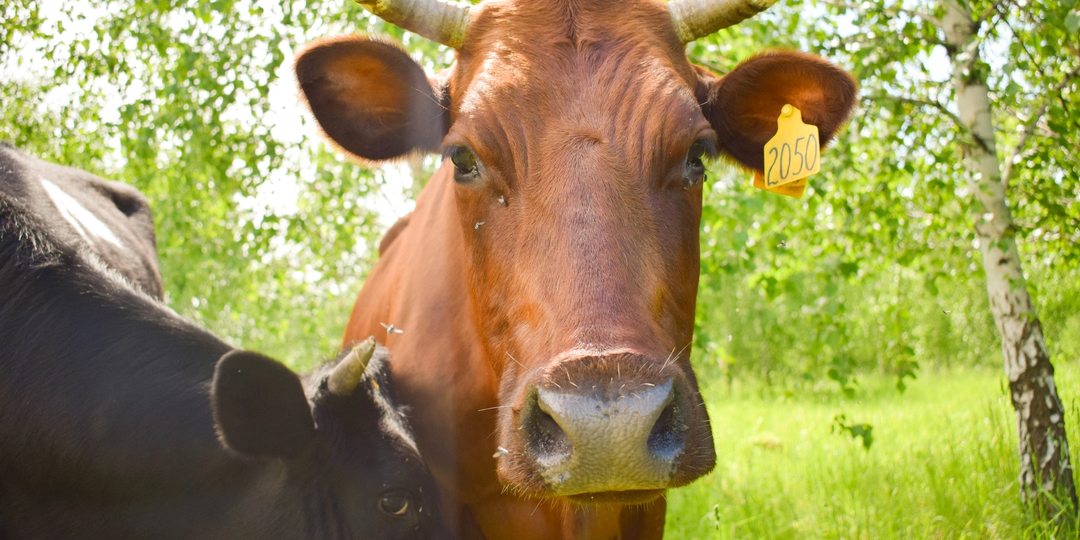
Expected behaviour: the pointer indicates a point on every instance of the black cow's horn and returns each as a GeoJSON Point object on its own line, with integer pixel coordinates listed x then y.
{"type": "Point", "coordinates": [350, 371]}
{"type": "Point", "coordinates": [696, 19]}
{"type": "Point", "coordinates": [443, 21]}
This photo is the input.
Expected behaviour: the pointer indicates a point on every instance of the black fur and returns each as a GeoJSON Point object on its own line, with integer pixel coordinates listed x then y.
{"type": "Point", "coordinates": [107, 429]}
{"type": "Point", "coordinates": [120, 207]}
{"type": "Point", "coordinates": [260, 407]}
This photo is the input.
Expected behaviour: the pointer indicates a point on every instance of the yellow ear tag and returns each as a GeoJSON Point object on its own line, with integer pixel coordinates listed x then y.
{"type": "Point", "coordinates": [792, 155]}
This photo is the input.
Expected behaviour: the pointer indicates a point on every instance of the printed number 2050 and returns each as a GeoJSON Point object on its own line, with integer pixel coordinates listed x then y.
{"type": "Point", "coordinates": [781, 159]}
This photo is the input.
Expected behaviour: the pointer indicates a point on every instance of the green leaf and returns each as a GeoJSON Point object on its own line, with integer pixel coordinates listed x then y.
{"type": "Point", "coordinates": [1072, 21]}
{"type": "Point", "coordinates": [904, 369]}
{"type": "Point", "coordinates": [848, 268]}
{"type": "Point", "coordinates": [855, 431]}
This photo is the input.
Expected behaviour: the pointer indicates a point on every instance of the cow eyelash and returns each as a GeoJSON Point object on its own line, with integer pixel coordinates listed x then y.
{"type": "Point", "coordinates": [696, 153]}
{"type": "Point", "coordinates": [708, 146]}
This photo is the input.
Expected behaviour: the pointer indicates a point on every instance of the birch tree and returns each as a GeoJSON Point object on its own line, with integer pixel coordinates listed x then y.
{"type": "Point", "coordinates": [1040, 417]}
{"type": "Point", "coordinates": [1035, 81]}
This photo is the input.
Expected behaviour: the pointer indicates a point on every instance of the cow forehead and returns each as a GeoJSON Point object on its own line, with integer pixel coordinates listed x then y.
{"type": "Point", "coordinates": [552, 48]}
{"type": "Point", "coordinates": [580, 21]}
{"type": "Point", "coordinates": [631, 90]}
{"type": "Point", "coordinates": [568, 81]}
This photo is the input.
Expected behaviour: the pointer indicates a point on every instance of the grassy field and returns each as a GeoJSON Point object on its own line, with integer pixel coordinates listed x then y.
{"type": "Point", "coordinates": [942, 463]}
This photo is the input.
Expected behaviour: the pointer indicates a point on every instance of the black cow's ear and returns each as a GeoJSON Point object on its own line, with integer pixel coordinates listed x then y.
{"type": "Point", "coordinates": [260, 408]}
{"type": "Point", "coordinates": [371, 98]}
{"type": "Point", "coordinates": [743, 105]}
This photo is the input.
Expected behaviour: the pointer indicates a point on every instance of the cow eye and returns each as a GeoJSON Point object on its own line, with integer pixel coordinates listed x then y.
{"type": "Point", "coordinates": [395, 503]}
{"type": "Point", "coordinates": [695, 168]}
{"type": "Point", "coordinates": [464, 163]}
{"type": "Point", "coordinates": [697, 151]}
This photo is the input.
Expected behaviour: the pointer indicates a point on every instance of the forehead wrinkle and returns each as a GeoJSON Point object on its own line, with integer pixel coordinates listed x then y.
{"type": "Point", "coordinates": [623, 94]}
{"type": "Point", "coordinates": [663, 115]}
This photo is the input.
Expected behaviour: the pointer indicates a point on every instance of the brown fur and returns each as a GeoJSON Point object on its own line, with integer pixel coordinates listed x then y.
{"type": "Point", "coordinates": [400, 108]}
{"type": "Point", "coordinates": [392, 233]}
{"type": "Point", "coordinates": [580, 114]}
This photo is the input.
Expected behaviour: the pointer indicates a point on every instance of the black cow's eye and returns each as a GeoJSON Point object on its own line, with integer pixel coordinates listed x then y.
{"type": "Point", "coordinates": [464, 162]}
{"type": "Point", "coordinates": [394, 503]}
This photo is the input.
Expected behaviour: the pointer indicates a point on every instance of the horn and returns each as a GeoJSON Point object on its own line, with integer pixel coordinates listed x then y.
{"type": "Point", "coordinates": [443, 21]}
{"type": "Point", "coordinates": [350, 371]}
{"type": "Point", "coordinates": [696, 19]}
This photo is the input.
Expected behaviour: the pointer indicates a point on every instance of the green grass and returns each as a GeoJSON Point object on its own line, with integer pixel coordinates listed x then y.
{"type": "Point", "coordinates": [942, 465]}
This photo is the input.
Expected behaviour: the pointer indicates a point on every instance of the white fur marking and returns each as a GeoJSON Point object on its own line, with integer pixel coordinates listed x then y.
{"type": "Point", "coordinates": [83, 220]}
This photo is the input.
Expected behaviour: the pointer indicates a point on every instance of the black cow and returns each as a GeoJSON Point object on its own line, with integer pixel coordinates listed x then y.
{"type": "Point", "coordinates": [112, 218]}
{"type": "Point", "coordinates": [121, 420]}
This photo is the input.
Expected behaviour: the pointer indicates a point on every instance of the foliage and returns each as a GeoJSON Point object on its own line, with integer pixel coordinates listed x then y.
{"type": "Point", "coordinates": [942, 465]}
{"type": "Point", "coordinates": [263, 235]}
{"type": "Point", "coordinates": [805, 307]}
{"type": "Point", "coordinates": [876, 267]}
{"type": "Point", "coordinates": [840, 424]}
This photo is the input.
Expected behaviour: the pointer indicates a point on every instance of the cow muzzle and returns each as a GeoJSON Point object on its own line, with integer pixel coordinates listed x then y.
{"type": "Point", "coordinates": [610, 429]}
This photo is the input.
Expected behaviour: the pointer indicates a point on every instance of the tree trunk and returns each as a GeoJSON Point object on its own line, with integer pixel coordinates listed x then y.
{"type": "Point", "coordinates": [1046, 477]}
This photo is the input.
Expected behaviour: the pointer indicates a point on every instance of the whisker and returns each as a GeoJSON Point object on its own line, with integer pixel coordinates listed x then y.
{"type": "Point", "coordinates": [571, 381]}
{"type": "Point", "coordinates": [515, 360]}
{"type": "Point", "coordinates": [673, 356]}
{"type": "Point", "coordinates": [666, 361]}
{"type": "Point", "coordinates": [430, 98]}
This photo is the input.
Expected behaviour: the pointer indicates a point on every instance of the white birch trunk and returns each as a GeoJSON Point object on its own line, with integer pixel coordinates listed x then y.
{"type": "Point", "coordinates": [1044, 450]}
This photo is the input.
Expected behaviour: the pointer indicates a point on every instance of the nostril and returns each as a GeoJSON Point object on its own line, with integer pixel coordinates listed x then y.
{"type": "Point", "coordinates": [550, 441]}
{"type": "Point", "coordinates": [667, 438]}
{"type": "Point", "coordinates": [545, 440]}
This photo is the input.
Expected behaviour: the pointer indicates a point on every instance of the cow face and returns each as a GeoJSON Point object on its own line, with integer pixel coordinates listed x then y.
{"type": "Point", "coordinates": [575, 135]}
{"type": "Point", "coordinates": [351, 467]}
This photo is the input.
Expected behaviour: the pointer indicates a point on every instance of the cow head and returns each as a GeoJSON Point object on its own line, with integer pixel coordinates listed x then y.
{"type": "Point", "coordinates": [352, 469]}
{"type": "Point", "coordinates": [575, 133]}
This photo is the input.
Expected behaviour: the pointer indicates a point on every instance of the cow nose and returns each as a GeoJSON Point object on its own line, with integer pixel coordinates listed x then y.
{"type": "Point", "coordinates": [607, 440]}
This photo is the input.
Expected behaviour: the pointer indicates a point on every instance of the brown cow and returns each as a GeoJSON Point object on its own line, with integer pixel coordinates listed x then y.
{"type": "Point", "coordinates": [546, 282]}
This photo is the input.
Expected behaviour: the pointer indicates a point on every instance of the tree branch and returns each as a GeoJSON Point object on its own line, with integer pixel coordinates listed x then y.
{"type": "Point", "coordinates": [921, 102]}
{"type": "Point", "coordinates": [936, 41]}
{"type": "Point", "coordinates": [1038, 65]}
{"type": "Point", "coordinates": [969, 55]}
{"type": "Point", "coordinates": [888, 11]}
{"type": "Point", "coordinates": [1068, 222]}
{"type": "Point", "coordinates": [990, 11]}
{"type": "Point", "coordinates": [1029, 126]}
{"type": "Point", "coordinates": [1023, 47]}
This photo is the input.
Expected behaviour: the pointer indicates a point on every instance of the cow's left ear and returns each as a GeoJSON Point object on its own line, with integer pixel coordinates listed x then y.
{"type": "Point", "coordinates": [259, 405]}
{"type": "Point", "coordinates": [743, 106]}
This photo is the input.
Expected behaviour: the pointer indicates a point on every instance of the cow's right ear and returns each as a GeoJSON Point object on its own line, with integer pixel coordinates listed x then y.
{"type": "Point", "coordinates": [371, 98]}
{"type": "Point", "coordinates": [259, 406]}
